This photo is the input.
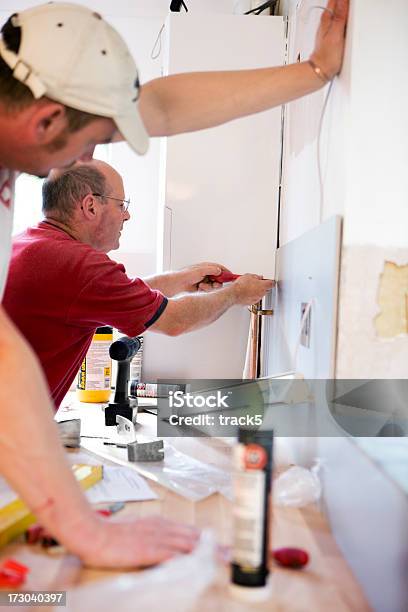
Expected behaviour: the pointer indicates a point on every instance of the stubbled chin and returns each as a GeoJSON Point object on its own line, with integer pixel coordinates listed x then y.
{"type": "Point", "coordinates": [114, 248]}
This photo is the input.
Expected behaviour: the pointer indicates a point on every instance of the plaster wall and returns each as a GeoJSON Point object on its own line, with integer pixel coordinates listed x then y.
{"type": "Point", "coordinates": [363, 155]}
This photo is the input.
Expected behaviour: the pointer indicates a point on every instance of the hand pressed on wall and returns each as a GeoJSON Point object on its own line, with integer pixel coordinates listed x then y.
{"type": "Point", "coordinates": [329, 46]}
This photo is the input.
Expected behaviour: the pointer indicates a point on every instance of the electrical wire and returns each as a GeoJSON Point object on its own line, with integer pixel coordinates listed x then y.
{"type": "Point", "coordinates": [175, 7]}
{"type": "Point", "coordinates": [321, 121]}
{"type": "Point", "coordinates": [158, 44]}
{"type": "Point", "coordinates": [319, 161]}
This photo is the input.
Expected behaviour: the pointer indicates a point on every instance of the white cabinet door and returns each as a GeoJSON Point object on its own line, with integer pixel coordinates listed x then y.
{"type": "Point", "coordinates": [221, 185]}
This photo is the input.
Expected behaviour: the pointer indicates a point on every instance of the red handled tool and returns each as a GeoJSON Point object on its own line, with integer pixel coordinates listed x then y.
{"type": "Point", "coordinates": [224, 277]}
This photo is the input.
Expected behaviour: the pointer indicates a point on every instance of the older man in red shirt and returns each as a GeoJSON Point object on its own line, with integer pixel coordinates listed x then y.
{"type": "Point", "coordinates": [62, 284]}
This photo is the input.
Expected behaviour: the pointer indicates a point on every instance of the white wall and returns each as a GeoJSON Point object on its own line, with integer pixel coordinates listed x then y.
{"type": "Point", "coordinates": [364, 136]}
{"type": "Point", "coordinates": [302, 206]}
{"type": "Point", "coordinates": [364, 159]}
{"type": "Point", "coordinates": [140, 173]}
{"type": "Point", "coordinates": [134, 8]}
{"type": "Point", "coordinates": [221, 185]}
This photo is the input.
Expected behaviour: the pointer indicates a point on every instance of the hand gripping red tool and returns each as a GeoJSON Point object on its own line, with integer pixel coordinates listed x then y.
{"type": "Point", "coordinates": [224, 277]}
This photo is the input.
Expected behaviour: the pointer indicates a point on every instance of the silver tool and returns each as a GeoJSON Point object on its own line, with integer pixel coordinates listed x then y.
{"type": "Point", "coordinates": [70, 432]}
{"type": "Point", "coordinates": [125, 432]}
{"type": "Point", "coordinates": [146, 451]}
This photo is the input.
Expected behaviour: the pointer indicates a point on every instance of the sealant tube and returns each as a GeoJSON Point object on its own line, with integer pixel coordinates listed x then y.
{"type": "Point", "coordinates": [253, 459]}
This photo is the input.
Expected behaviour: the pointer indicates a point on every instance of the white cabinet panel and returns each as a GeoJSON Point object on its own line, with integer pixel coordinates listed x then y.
{"type": "Point", "coordinates": [221, 185]}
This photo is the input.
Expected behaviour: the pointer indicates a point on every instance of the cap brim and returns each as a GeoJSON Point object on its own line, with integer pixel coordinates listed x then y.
{"type": "Point", "coordinates": [133, 130]}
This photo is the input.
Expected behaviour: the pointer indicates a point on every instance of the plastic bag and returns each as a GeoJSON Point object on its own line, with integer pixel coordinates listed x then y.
{"type": "Point", "coordinates": [297, 487]}
{"type": "Point", "coordinates": [174, 586]}
{"type": "Point", "coordinates": [187, 476]}
{"type": "Point", "coordinates": [179, 472]}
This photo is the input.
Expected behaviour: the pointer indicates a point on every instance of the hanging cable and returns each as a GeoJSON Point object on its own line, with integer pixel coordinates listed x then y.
{"type": "Point", "coordinates": [321, 120]}
{"type": "Point", "coordinates": [319, 161]}
{"type": "Point", "coordinates": [262, 7]}
{"type": "Point", "coordinates": [175, 7]}
{"type": "Point", "coordinates": [157, 45]}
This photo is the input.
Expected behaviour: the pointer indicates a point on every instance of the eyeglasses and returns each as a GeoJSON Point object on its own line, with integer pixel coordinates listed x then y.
{"type": "Point", "coordinates": [124, 203]}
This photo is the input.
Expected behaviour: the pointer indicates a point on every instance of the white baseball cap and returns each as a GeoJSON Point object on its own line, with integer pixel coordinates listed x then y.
{"type": "Point", "coordinates": [70, 54]}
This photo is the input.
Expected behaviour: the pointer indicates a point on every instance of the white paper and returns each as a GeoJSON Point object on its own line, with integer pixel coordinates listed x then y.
{"type": "Point", "coordinates": [120, 484]}
{"type": "Point", "coordinates": [7, 494]}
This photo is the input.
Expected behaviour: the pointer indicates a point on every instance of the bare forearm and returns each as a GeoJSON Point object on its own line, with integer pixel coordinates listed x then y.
{"type": "Point", "coordinates": [31, 456]}
{"type": "Point", "coordinates": [195, 101]}
{"type": "Point", "coordinates": [187, 102]}
{"type": "Point", "coordinates": [185, 314]}
{"type": "Point", "coordinates": [187, 280]}
{"type": "Point", "coordinates": [189, 313]}
{"type": "Point", "coordinates": [169, 283]}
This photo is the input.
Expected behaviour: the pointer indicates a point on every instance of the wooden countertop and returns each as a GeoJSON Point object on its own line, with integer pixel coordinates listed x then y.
{"type": "Point", "coordinates": [327, 583]}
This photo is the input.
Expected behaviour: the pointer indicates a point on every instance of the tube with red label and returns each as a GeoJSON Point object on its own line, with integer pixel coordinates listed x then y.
{"type": "Point", "coordinates": [252, 511]}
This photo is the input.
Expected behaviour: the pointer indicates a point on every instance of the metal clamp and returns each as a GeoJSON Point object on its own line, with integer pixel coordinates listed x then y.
{"type": "Point", "coordinates": [70, 432]}
{"type": "Point", "coordinates": [146, 451]}
{"type": "Point", "coordinates": [259, 312]}
{"type": "Point", "coordinates": [125, 433]}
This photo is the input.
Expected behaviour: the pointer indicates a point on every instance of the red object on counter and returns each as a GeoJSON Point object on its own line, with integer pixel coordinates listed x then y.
{"type": "Point", "coordinates": [37, 533]}
{"type": "Point", "coordinates": [12, 573]}
{"type": "Point", "coordinates": [10, 579]}
{"type": "Point", "coordinates": [34, 533]}
{"type": "Point", "coordinates": [15, 566]}
{"type": "Point", "coordinates": [224, 277]}
{"type": "Point", "coordinates": [291, 557]}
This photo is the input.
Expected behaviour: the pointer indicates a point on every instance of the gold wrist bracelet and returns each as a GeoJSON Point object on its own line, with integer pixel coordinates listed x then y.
{"type": "Point", "coordinates": [319, 72]}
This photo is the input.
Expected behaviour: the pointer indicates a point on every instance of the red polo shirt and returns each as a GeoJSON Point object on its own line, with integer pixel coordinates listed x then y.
{"type": "Point", "coordinates": [60, 290]}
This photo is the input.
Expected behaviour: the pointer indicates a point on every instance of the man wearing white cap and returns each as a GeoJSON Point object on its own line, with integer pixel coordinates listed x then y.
{"type": "Point", "coordinates": [68, 83]}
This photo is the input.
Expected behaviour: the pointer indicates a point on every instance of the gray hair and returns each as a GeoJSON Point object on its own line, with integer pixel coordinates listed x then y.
{"type": "Point", "coordinates": [61, 194]}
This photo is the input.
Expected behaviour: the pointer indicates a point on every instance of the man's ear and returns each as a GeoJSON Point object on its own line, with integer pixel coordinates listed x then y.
{"type": "Point", "coordinates": [89, 207]}
{"type": "Point", "coordinates": [47, 122]}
